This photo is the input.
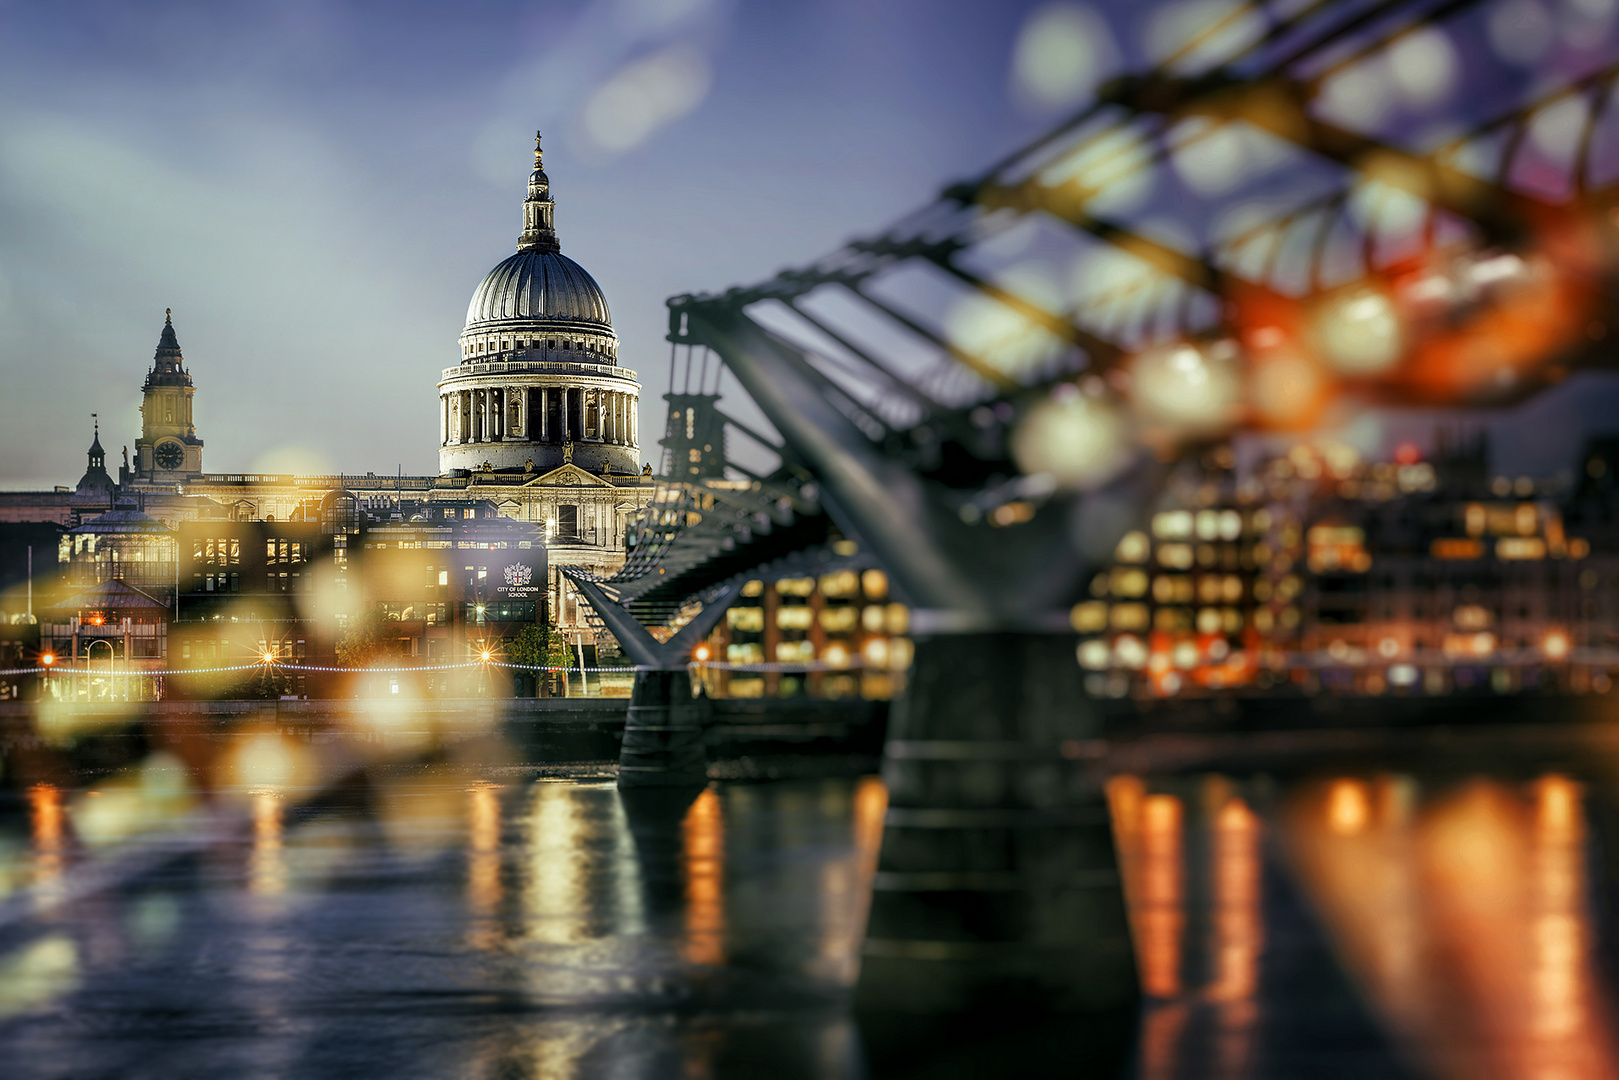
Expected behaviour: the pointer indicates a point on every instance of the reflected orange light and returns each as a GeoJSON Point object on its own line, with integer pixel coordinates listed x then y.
{"type": "Point", "coordinates": [1467, 924]}
{"type": "Point", "coordinates": [1557, 809]}
{"type": "Point", "coordinates": [1348, 807]}
{"type": "Point", "coordinates": [1161, 915]}
{"type": "Point", "coordinates": [267, 868]}
{"type": "Point", "coordinates": [1162, 1029]}
{"type": "Point", "coordinates": [1559, 981]}
{"type": "Point", "coordinates": [483, 862]}
{"type": "Point", "coordinates": [1238, 931]}
{"type": "Point", "coordinates": [703, 834]}
{"type": "Point", "coordinates": [870, 805]}
{"type": "Point", "coordinates": [46, 821]}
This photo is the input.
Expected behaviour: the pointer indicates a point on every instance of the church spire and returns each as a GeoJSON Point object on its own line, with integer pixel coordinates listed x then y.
{"type": "Point", "coordinates": [539, 224]}
{"type": "Point", "coordinates": [168, 366]}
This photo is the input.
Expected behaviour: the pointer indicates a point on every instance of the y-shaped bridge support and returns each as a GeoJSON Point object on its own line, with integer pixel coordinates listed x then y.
{"type": "Point", "coordinates": [998, 915]}
{"type": "Point", "coordinates": [663, 731]}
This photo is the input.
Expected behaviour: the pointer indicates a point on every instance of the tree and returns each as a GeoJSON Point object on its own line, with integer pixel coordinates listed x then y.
{"type": "Point", "coordinates": [368, 638]}
{"type": "Point", "coordinates": [535, 644]}
{"type": "Point", "coordinates": [529, 645]}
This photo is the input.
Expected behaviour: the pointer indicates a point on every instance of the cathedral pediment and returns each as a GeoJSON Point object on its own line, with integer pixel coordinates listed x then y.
{"type": "Point", "coordinates": [570, 476]}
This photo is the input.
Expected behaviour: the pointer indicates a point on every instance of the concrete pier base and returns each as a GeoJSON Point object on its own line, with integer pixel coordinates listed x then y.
{"type": "Point", "coordinates": [998, 927]}
{"type": "Point", "coordinates": [663, 733]}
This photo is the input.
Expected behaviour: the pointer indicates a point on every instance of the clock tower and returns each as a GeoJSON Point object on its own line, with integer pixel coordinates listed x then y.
{"type": "Point", "coordinates": [168, 450]}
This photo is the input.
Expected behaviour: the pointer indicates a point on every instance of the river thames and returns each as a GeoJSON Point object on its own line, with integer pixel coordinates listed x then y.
{"type": "Point", "coordinates": [462, 918]}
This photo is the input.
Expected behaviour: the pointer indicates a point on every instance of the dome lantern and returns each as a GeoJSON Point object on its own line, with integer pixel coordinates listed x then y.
{"type": "Point", "coordinates": [539, 209]}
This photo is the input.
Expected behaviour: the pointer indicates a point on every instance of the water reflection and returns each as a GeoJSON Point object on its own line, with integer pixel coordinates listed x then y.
{"type": "Point", "coordinates": [45, 821]}
{"type": "Point", "coordinates": [704, 833]}
{"type": "Point", "coordinates": [483, 865]}
{"type": "Point", "coordinates": [1237, 938]}
{"type": "Point", "coordinates": [559, 929]}
{"type": "Point", "coordinates": [580, 866]}
{"type": "Point", "coordinates": [1149, 830]}
{"type": "Point", "coordinates": [1465, 919]}
{"type": "Point", "coordinates": [267, 866]}
{"type": "Point", "coordinates": [1202, 1016]}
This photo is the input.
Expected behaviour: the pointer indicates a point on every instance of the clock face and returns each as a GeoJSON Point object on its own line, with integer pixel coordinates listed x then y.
{"type": "Point", "coordinates": [169, 455]}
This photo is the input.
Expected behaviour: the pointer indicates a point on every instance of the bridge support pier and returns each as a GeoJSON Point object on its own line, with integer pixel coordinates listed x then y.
{"type": "Point", "coordinates": [998, 934]}
{"type": "Point", "coordinates": [663, 733]}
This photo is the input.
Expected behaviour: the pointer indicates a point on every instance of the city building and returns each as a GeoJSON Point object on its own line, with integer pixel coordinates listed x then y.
{"type": "Point", "coordinates": [537, 420]}
{"type": "Point", "coordinates": [1320, 573]}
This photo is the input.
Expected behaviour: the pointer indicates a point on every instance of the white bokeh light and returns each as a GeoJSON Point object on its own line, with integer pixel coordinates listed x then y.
{"type": "Point", "coordinates": [643, 96]}
{"type": "Point", "coordinates": [1062, 52]}
{"type": "Point", "coordinates": [1424, 66]}
{"type": "Point", "coordinates": [1358, 332]}
{"type": "Point", "coordinates": [1185, 386]}
{"type": "Point", "coordinates": [1076, 439]}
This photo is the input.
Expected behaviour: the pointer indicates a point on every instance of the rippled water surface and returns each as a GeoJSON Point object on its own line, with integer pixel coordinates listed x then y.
{"type": "Point", "coordinates": [475, 921]}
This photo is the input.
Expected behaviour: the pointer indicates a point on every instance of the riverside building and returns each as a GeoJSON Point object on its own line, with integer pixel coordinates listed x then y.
{"type": "Point", "coordinates": [537, 418]}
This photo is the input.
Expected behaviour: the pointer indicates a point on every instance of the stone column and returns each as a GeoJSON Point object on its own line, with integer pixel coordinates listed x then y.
{"type": "Point", "coordinates": [635, 422]}
{"type": "Point", "coordinates": [545, 412]}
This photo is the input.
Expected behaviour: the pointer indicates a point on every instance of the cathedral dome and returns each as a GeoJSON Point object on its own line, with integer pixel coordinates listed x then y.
{"type": "Point", "coordinates": [539, 285]}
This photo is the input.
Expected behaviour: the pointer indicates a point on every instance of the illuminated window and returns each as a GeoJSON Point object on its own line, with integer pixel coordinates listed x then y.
{"type": "Point", "coordinates": [1129, 617]}
{"type": "Point", "coordinates": [1173, 525]}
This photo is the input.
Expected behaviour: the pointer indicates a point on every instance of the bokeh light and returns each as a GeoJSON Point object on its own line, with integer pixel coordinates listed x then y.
{"type": "Point", "coordinates": [1062, 52]}
{"type": "Point", "coordinates": [642, 97]}
{"type": "Point", "coordinates": [1076, 439]}
{"type": "Point", "coordinates": [1191, 388]}
{"type": "Point", "coordinates": [1358, 332]}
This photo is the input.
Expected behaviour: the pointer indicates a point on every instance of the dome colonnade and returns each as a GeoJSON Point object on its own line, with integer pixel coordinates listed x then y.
{"type": "Point", "coordinates": [539, 366]}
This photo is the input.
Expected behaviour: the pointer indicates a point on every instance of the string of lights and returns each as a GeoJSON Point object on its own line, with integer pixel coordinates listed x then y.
{"type": "Point", "coordinates": [90, 672]}
{"type": "Point", "coordinates": [1598, 657]}
{"type": "Point", "coordinates": [782, 667]}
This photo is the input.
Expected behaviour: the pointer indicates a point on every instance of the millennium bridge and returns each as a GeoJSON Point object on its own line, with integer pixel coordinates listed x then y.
{"type": "Point", "coordinates": [930, 400]}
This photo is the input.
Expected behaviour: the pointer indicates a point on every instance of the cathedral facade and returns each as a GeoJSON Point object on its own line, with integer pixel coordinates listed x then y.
{"type": "Point", "coordinates": [537, 418]}
{"type": "Point", "coordinates": [539, 364]}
